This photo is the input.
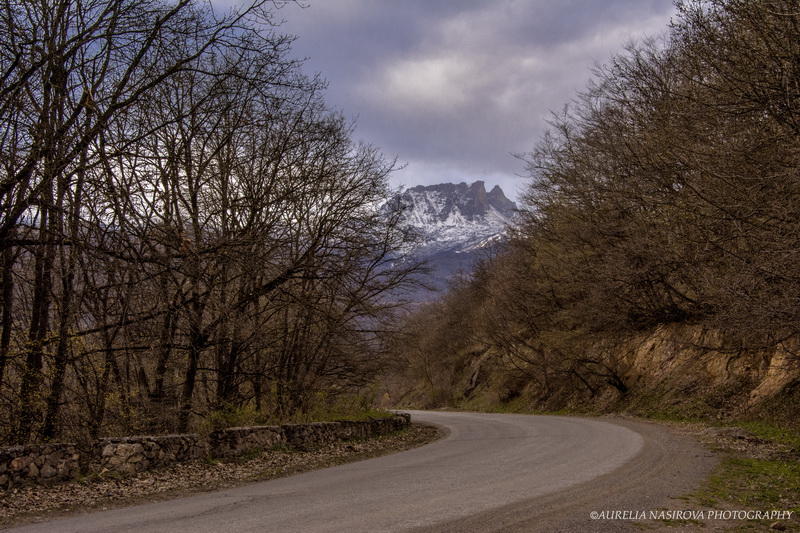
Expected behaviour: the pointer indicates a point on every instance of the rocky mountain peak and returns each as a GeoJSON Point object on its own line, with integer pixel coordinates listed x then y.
{"type": "Point", "coordinates": [454, 222]}
{"type": "Point", "coordinates": [498, 200]}
{"type": "Point", "coordinates": [454, 202]}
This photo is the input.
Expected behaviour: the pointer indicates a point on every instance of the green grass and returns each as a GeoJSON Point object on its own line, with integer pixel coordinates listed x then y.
{"type": "Point", "coordinates": [654, 407]}
{"type": "Point", "coordinates": [667, 415]}
{"type": "Point", "coordinates": [772, 432]}
{"type": "Point", "coordinates": [753, 484]}
{"type": "Point", "coordinates": [742, 482]}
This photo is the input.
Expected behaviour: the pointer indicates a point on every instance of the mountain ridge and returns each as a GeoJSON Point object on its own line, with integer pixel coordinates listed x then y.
{"type": "Point", "coordinates": [454, 224]}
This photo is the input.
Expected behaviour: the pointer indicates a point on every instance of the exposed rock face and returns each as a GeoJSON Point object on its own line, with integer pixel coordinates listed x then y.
{"type": "Point", "coordinates": [673, 360]}
{"type": "Point", "coordinates": [498, 200]}
{"type": "Point", "coordinates": [455, 224]}
{"type": "Point", "coordinates": [452, 215]}
{"type": "Point", "coordinates": [675, 369]}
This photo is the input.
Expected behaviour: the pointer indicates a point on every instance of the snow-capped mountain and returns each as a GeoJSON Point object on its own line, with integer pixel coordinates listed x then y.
{"type": "Point", "coordinates": [455, 223]}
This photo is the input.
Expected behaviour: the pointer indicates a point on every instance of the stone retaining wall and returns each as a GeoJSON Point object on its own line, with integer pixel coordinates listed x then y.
{"type": "Point", "coordinates": [237, 441]}
{"type": "Point", "coordinates": [47, 463]}
{"type": "Point", "coordinates": [38, 463]}
{"type": "Point", "coordinates": [308, 436]}
{"type": "Point", "coordinates": [232, 442]}
{"type": "Point", "coordinates": [127, 455]}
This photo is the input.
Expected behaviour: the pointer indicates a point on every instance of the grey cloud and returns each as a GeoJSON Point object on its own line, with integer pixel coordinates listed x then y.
{"type": "Point", "coordinates": [452, 87]}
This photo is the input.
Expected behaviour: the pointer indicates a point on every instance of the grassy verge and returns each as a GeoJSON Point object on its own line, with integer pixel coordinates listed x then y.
{"type": "Point", "coordinates": [786, 436]}
{"type": "Point", "coordinates": [759, 470]}
{"type": "Point", "coordinates": [750, 483]}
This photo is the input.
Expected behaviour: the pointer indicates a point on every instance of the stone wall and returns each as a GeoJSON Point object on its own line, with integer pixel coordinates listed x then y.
{"type": "Point", "coordinates": [39, 463]}
{"type": "Point", "coordinates": [237, 441]}
{"type": "Point", "coordinates": [308, 436]}
{"type": "Point", "coordinates": [350, 430]}
{"type": "Point", "coordinates": [47, 463]}
{"type": "Point", "coordinates": [388, 425]}
{"type": "Point", "coordinates": [127, 455]}
{"type": "Point", "coordinates": [232, 442]}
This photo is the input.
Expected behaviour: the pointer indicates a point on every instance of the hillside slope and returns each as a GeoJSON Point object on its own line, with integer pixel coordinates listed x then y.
{"type": "Point", "coordinates": [654, 264]}
{"type": "Point", "coordinates": [673, 371]}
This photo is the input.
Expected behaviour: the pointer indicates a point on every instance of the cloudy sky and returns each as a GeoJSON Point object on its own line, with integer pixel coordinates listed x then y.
{"type": "Point", "coordinates": [453, 87]}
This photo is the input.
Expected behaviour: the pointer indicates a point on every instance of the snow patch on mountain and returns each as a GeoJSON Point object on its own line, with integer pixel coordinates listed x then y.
{"type": "Point", "coordinates": [456, 216]}
{"type": "Point", "coordinates": [454, 222]}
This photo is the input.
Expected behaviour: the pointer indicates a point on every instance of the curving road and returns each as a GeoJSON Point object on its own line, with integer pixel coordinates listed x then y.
{"type": "Point", "coordinates": [492, 472]}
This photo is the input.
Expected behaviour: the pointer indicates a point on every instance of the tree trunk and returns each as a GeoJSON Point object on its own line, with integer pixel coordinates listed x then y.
{"type": "Point", "coordinates": [8, 308]}
{"type": "Point", "coordinates": [40, 324]}
{"type": "Point", "coordinates": [167, 338]}
{"type": "Point", "coordinates": [67, 296]}
{"type": "Point", "coordinates": [197, 343]}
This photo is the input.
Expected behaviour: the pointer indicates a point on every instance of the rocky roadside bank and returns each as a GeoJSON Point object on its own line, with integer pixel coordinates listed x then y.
{"type": "Point", "coordinates": [39, 503]}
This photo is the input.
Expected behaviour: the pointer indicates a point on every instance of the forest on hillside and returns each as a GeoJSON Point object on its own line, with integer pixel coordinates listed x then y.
{"type": "Point", "coordinates": [666, 193]}
{"type": "Point", "coordinates": [187, 232]}
{"type": "Point", "coordinates": [189, 238]}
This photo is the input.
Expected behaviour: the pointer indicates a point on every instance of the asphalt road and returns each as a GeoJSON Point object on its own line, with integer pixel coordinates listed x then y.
{"type": "Point", "coordinates": [492, 472]}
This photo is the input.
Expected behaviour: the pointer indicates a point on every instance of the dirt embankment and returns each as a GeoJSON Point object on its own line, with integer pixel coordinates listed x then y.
{"type": "Point", "coordinates": [674, 371]}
